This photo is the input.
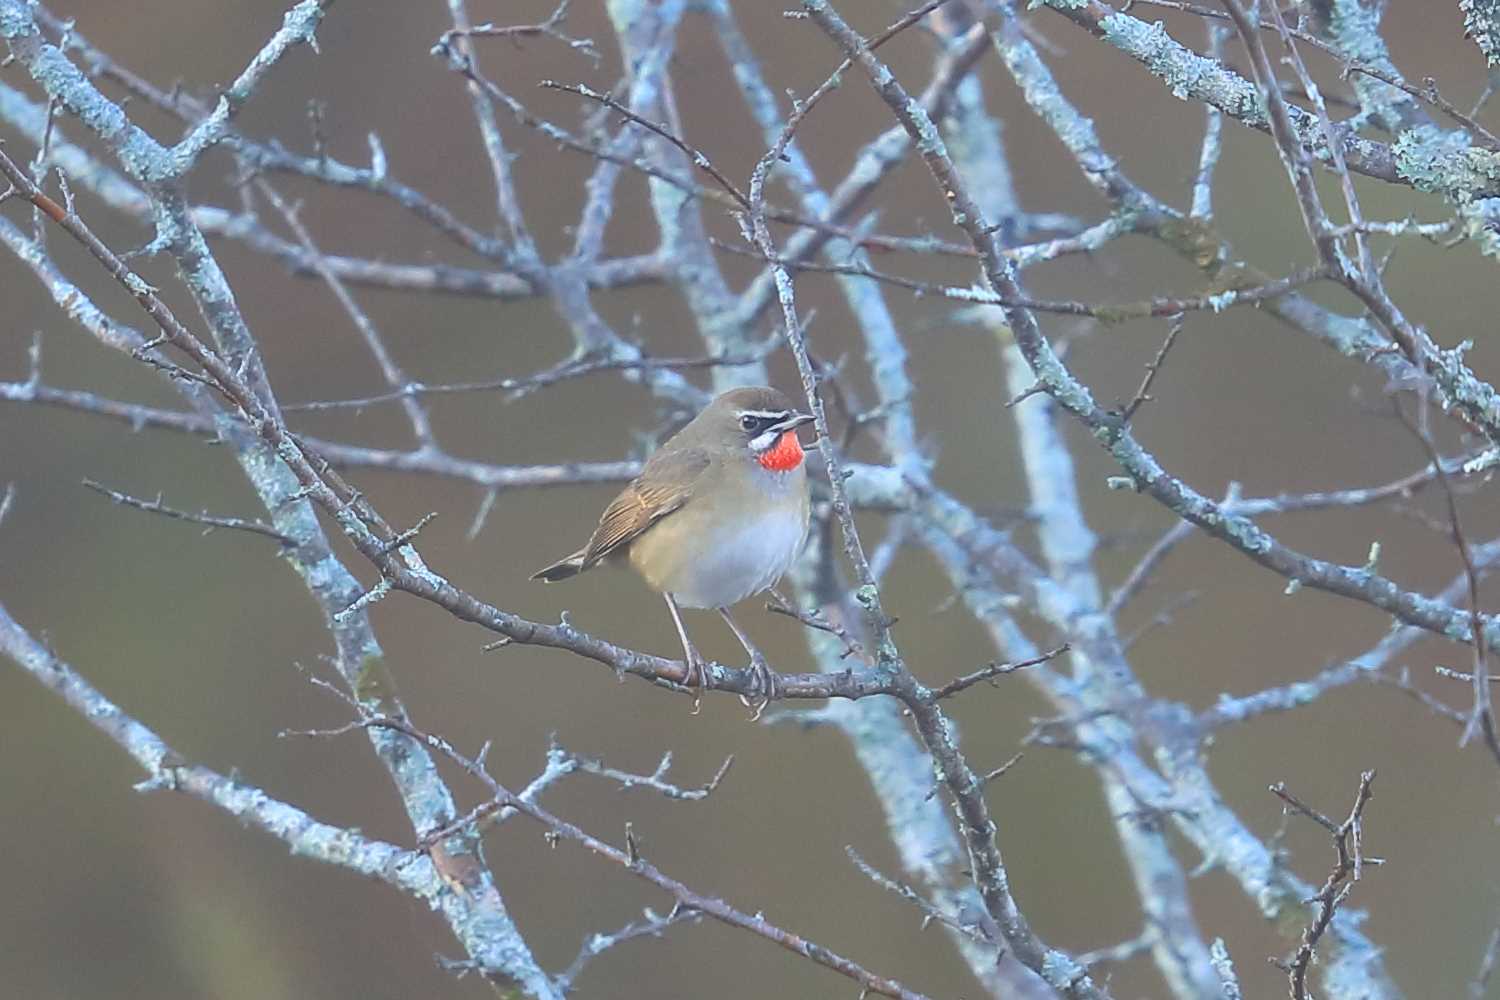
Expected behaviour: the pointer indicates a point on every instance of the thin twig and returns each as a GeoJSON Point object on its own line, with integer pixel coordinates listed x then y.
{"type": "Point", "coordinates": [1482, 718]}
{"type": "Point", "coordinates": [550, 28]}
{"type": "Point", "coordinates": [992, 670]}
{"type": "Point", "coordinates": [656, 780]}
{"type": "Point", "coordinates": [1143, 394]}
{"type": "Point", "coordinates": [519, 385]}
{"type": "Point", "coordinates": [697, 156]}
{"type": "Point", "coordinates": [632, 861]}
{"type": "Point", "coordinates": [595, 945]}
{"type": "Point", "coordinates": [780, 605]}
{"type": "Point", "coordinates": [931, 912]}
{"type": "Point", "coordinates": [210, 521]}
{"type": "Point", "coordinates": [1348, 844]}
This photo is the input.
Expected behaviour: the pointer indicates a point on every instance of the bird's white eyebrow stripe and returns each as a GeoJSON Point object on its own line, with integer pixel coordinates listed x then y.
{"type": "Point", "coordinates": [766, 414]}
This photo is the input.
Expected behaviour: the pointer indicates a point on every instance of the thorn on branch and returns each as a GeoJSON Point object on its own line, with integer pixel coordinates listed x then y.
{"type": "Point", "coordinates": [1025, 394]}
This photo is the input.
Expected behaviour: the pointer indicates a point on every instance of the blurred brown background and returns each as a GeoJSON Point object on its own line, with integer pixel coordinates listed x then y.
{"type": "Point", "coordinates": [110, 893]}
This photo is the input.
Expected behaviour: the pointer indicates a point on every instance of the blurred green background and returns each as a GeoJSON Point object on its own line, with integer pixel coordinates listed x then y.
{"type": "Point", "coordinates": [111, 893]}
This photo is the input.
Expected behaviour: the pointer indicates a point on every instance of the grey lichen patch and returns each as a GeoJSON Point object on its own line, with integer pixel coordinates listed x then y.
{"type": "Point", "coordinates": [1179, 69]}
{"type": "Point", "coordinates": [1356, 32]}
{"type": "Point", "coordinates": [1482, 26]}
{"type": "Point", "coordinates": [1186, 74]}
{"type": "Point", "coordinates": [1246, 534]}
{"type": "Point", "coordinates": [1467, 176]}
{"type": "Point", "coordinates": [1057, 4]}
{"type": "Point", "coordinates": [1445, 162]}
{"type": "Point", "coordinates": [1058, 968]}
{"type": "Point", "coordinates": [15, 22]}
{"type": "Point", "coordinates": [1481, 223]}
{"type": "Point", "coordinates": [1463, 387]}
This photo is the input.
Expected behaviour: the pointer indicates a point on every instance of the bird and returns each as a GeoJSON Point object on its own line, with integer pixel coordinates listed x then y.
{"type": "Point", "coordinates": [718, 513]}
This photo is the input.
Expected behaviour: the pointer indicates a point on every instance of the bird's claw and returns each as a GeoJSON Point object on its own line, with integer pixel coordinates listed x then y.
{"type": "Point", "coordinates": [765, 687]}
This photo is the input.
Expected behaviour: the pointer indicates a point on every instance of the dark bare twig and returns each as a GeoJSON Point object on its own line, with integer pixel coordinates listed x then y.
{"type": "Point", "coordinates": [1348, 845]}
{"type": "Point", "coordinates": [632, 861]}
{"type": "Point", "coordinates": [1143, 394]}
{"type": "Point", "coordinates": [780, 605]}
{"type": "Point", "coordinates": [651, 925]}
{"type": "Point", "coordinates": [1110, 313]}
{"type": "Point", "coordinates": [992, 670]}
{"type": "Point", "coordinates": [931, 912]}
{"type": "Point", "coordinates": [517, 386]}
{"type": "Point", "coordinates": [656, 780]}
{"type": "Point", "coordinates": [550, 28]}
{"type": "Point", "coordinates": [390, 369]}
{"type": "Point", "coordinates": [1141, 573]}
{"type": "Point", "coordinates": [211, 522]}
{"type": "Point", "coordinates": [697, 156]}
{"type": "Point", "coordinates": [1482, 718]}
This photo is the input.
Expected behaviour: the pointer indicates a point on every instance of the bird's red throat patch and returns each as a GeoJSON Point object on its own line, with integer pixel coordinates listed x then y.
{"type": "Point", "coordinates": [783, 456]}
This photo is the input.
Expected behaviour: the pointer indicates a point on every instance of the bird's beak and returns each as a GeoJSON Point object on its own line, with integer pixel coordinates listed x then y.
{"type": "Point", "coordinates": [792, 421]}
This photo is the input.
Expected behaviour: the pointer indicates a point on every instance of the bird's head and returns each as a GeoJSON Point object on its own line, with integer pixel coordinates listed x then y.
{"type": "Point", "coordinates": [760, 420]}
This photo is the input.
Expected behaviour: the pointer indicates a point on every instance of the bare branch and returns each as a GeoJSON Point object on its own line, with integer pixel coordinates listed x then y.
{"type": "Point", "coordinates": [992, 670]}
{"type": "Point", "coordinates": [1348, 844]}
{"type": "Point", "coordinates": [209, 520]}
{"type": "Point", "coordinates": [631, 860]}
{"type": "Point", "coordinates": [550, 28]}
{"type": "Point", "coordinates": [653, 925]}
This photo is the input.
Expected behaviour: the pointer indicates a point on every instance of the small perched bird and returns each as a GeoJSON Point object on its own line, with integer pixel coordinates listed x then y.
{"type": "Point", "coordinates": [719, 513]}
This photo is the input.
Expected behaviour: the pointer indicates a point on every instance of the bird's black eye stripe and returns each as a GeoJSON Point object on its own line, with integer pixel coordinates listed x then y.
{"type": "Point", "coordinates": [755, 423]}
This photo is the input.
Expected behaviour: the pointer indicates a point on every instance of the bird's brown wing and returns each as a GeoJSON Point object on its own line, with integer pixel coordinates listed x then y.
{"type": "Point", "coordinates": [664, 485]}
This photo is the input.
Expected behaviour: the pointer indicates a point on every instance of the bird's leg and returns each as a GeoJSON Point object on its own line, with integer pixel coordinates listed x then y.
{"type": "Point", "coordinates": [766, 686]}
{"type": "Point", "coordinates": [695, 662]}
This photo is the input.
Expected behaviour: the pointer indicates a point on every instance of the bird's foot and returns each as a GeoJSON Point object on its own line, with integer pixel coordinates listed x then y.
{"type": "Point", "coordinates": [765, 687]}
{"type": "Point", "coordinates": [697, 666]}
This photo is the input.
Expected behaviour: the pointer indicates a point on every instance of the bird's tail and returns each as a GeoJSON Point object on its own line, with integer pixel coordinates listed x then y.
{"type": "Point", "coordinates": [563, 568]}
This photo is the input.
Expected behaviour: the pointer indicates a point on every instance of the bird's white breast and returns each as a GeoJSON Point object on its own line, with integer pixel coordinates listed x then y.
{"type": "Point", "coordinates": [718, 551]}
{"type": "Point", "coordinates": [743, 559]}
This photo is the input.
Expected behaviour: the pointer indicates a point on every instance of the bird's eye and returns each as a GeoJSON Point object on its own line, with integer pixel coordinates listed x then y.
{"type": "Point", "coordinates": [747, 422]}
